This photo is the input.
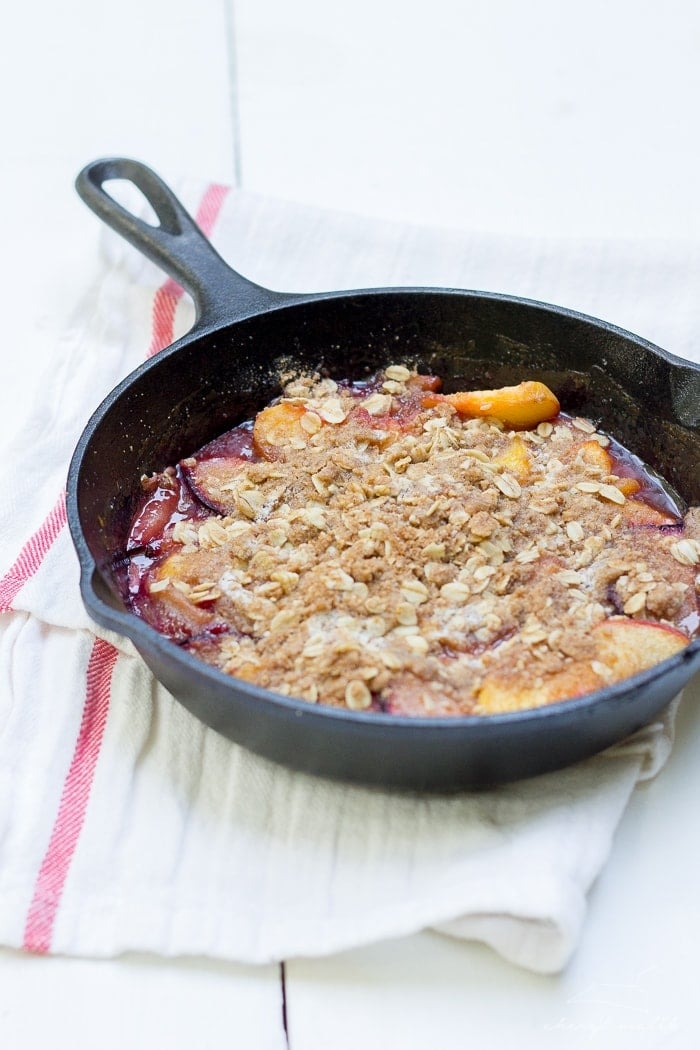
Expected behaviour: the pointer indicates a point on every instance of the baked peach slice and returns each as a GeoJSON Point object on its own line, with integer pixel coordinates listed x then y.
{"type": "Point", "coordinates": [173, 604]}
{"type": "Point", "coordinates": [642, 515]}
{"type": "Point", "coordinates": [500, 693]}
{"type": "Point", "coordinates": [208, 479]}
{"type": "Point", "coordinates": [408, 696]}
{"type": "Point", "coordinates": [289, 425]}
{"type": "Point", "coordinates": [515, 459]}
{"type": "Point", "coordinates": [628, 486]}
{"type": "Point", "coordinates": [630, 646]}
{"type": "Point", "coordinates": [524, 405]}
{"type": "Point", "coordinates": [278, 429]}
{"type": "Point", "coordinates": [217, 464]}
{"type": "Point", "coordinates": [622, 648]}
{"type": "Point", "coordinates": [592, 453]}
{"type": "Point", "coordinates": [156, 512]}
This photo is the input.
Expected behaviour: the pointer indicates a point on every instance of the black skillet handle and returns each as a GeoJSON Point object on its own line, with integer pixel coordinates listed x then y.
{"type": "Point", "coordinates": [176, 245]}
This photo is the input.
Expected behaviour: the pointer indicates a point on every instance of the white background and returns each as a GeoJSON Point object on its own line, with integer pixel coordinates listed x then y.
{"type": "Point", "coordinates": [545, 118]}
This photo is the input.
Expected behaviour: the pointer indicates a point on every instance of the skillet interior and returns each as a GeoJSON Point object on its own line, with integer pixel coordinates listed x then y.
{"type": "Point", "coordinates": [208, 383]}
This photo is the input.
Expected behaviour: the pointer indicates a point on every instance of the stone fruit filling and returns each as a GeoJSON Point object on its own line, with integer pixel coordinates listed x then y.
{"type": "Point", "coordinates": [382, 546]}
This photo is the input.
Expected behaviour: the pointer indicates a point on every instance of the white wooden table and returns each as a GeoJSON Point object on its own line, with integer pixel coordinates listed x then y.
{"type": "Point", "coordinates": [545, 118]}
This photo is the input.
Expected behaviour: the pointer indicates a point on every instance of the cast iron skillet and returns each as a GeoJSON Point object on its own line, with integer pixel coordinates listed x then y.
{"type": "Point", "coordinates": [225, 369]}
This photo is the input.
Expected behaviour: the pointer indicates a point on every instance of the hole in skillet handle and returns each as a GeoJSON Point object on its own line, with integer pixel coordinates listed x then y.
{"type": "Point", "coordinates": [176, 244]}
{"type": "Point", "coordinates": [128, 196]}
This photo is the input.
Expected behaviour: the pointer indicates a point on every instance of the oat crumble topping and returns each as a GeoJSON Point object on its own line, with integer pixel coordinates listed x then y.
{"type": "Point", "coordinates": [375, 548]}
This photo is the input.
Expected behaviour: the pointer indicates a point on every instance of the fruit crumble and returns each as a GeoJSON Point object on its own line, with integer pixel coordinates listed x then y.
{"type": "Point", "coordinates": [383, 546]}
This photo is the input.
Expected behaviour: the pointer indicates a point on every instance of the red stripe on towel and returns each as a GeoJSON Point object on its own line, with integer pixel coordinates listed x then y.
{"type": "Point", "coordinates": [48, 889]}
{"type": "Point", "coordinates": [164, 307]}
{"type": "Point", "coordinates": [210, 206]}
{"type": "Point", "coordinates": [32, 554]}
{"type": "Point", "coordinates": [54, 869]}
{"type": "Point", "coordinates": [165, 303]}
{"type": "Point", "coordinates": [169, 294]}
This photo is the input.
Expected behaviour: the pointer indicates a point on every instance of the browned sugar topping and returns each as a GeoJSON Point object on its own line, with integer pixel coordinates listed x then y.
{"type": "Point", "coordinates": [434, 566]}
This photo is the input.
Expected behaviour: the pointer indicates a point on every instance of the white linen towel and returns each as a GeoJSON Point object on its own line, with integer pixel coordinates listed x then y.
{"type": "Point", "coordinates": [125, 824]}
